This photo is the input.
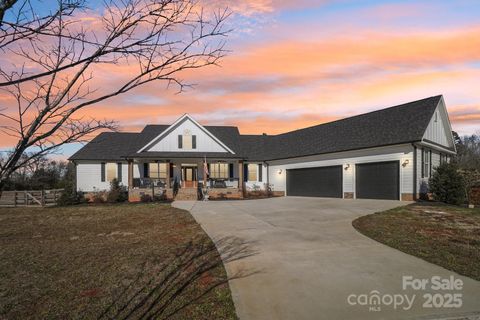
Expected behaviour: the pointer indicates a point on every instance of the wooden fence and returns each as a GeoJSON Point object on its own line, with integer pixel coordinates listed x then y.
{"type": "Point", "coordinates": [32, 198]}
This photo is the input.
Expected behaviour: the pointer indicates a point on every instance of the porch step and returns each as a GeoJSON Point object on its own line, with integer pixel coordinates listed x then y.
{"type": "Point", "coordinates": [187, 194]}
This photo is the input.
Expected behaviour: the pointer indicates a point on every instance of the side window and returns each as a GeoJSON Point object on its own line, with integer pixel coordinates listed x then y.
{"type": "Point", "coordinates": [426, 157]}
{"type": "Point", "coordinates": [252, 172]}
{"type": "Point", "coordinates": [111, 170]}
{"type": "Point", "coordinates": [157, 170]}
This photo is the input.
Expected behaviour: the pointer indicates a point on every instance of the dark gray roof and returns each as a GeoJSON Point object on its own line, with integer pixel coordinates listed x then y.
{"type": "Point", "coordinates": [119, 145]}
{"type": "Point", "coordinates": [396, 125]}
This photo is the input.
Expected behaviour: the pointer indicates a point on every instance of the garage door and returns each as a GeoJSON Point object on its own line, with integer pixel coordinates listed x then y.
{"type": "Point", "coordinates": [315, 182]}
{"type": "Point", "coordinates": [379, 180]}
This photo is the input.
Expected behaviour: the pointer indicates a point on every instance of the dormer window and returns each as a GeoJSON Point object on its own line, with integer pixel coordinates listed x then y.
{"type": "Point", "coordinates": [187, 141]}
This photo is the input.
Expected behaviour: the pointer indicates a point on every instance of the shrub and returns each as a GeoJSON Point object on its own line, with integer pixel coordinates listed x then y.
{"type": "Point", "coordinates": [117, 192]}
{"type": "Point", "coordinates": [447, 184]}
{"type": "Point", "coordinates": [70, 196]}
{"type": "Point", "coordinates": [146, 198]}
{"type": "Point", "coordinates": [98, 197]}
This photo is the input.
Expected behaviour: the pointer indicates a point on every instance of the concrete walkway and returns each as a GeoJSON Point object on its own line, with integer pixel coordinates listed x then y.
{"type": "Point", "coordinates": [311, 260]}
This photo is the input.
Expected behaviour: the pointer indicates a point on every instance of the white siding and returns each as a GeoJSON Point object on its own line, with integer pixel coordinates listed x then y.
{"type": "Point", "coordinates": [205, 143]}
{"type": "Point", "coordinates": [399, 153]}
{"type": "Point", "coordinates": [89, 176]}
{"type": "Point", "coordinates": [438, 130]}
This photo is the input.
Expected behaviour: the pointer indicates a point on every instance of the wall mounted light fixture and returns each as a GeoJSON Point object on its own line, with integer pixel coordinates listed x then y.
{"type": "Point", "coordinates": [347, 166]}
{"type": "Point", "coordinates": [279, 171]}
{"type": "Point", "coordinates": [405, 163]}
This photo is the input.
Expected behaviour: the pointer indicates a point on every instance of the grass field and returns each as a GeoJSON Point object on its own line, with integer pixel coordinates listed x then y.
{"type": "Point", "coordinates": [445, 235]}
{"type": "Point", "coordinates": [109, 262]}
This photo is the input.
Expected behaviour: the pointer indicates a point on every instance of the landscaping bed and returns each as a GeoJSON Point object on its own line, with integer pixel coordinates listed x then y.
{"type": "Point", "coordinates": [448, 236]}
{"type": "Point", "coordinates": [109, 262]}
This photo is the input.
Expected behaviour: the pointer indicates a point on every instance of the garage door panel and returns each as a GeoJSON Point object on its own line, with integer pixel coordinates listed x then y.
{"type": "Point", "coordinates": [379, 180]}
{"type": "Point", "coordinates": [315, 182]}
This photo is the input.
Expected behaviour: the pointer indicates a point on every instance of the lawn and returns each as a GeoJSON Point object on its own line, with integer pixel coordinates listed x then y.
{"type": "Point", "coordinates": [110, 262]}
{"type": "Point", "coordinates": [445, 235]}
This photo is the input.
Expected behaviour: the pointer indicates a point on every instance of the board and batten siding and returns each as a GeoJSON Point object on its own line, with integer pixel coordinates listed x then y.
{"type": "Point", "coordinates": [89, 176]}
{"type": "Point", "coordinates": [204, 143]}
{"type": "Point", "coordinates": [438, 129]}
{"type": "Point", "coordinates": [399, 153]}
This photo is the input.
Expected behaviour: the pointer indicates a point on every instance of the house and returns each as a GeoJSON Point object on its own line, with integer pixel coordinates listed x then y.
{"type": "Point", "coordinates": [385, 154]}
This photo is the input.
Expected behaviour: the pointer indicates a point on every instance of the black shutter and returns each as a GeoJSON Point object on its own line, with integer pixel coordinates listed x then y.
{"type": "Point", "coordinates": [430, 163]}
{"type": "Point", "coordinates": [119, 172]}
{"type": "Point", "coordinates": [245, 172]}
{"type": "Point", "coordinates": [145, 170]}
{"type": "Point", "coordinates": [423, 163]}
{"type": "Point", "coordinates": [180, 141]}
{"type": "Point", "coordinates": [194, 142]}
{"type": "Point", "coordinates": [171, 170]}
{"type": "Point", "coordinates": [230, 170]}
{"type": "Point", "coordinates": [260, 167]}
{"type": "Point", "coordinates": [102, 171]}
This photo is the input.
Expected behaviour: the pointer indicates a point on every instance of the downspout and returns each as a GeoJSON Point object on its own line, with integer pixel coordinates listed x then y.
{"type": "Point", "coordinates": [414, 172]}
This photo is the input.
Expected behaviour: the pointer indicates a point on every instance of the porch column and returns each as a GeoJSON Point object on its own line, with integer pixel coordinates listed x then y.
{"type": "Point", "coordinates": [168, 174]}
{"type": "Point", "coordinates": [240, 176]}
{"type": "Point", "coordinates": [130, 174]}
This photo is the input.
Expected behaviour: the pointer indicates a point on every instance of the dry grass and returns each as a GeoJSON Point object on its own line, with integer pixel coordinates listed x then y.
{"type": "Point", "coordinates": [99, 262]}
{"type": "Point", "coordinates": [445, 235]}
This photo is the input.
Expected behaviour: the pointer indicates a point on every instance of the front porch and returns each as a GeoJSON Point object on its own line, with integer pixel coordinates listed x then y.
{"type": "Point", "coordinates": [158, 177]}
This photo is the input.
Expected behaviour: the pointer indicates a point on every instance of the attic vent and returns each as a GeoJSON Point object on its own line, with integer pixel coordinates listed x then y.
{"type": "Point", "coordinates": [436, 116]}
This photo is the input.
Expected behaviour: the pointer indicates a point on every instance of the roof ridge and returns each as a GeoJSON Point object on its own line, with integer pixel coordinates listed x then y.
{"type": "Point", "coordinates": [360, 115]}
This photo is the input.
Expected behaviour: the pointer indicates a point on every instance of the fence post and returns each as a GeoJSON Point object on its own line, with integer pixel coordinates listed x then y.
{"type": "Point", "coordinates": [26, 198]}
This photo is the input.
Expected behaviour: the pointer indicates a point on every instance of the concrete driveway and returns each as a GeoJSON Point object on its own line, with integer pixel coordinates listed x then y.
{"type": "Point", "coordinates": [312, 262]}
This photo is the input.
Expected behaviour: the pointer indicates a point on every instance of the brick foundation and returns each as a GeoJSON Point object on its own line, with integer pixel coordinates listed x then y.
{"type": "Point", "coordinates": [348, 195]}
{"type": "Point", "coordinates": [407, 197]}
{"type": "Point", "coordinates": [225, 193]}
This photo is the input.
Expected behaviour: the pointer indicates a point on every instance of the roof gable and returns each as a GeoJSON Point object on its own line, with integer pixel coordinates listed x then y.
{"type": "Point", "coordinates": [167, 140]}
{"type": "Point", "coordinates": [439, 130]}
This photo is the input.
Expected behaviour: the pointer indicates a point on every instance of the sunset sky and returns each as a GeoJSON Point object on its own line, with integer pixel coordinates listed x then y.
{"type": "Point", "coordinates": [300, 63]}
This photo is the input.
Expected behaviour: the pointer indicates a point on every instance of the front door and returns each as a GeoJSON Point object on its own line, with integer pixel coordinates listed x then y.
{"type": "Point", "coordinates": [189, 176]}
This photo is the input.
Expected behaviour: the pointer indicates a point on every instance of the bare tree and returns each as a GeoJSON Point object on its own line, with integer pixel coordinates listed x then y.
{"type": "Point", "coordinates": [52, 61]}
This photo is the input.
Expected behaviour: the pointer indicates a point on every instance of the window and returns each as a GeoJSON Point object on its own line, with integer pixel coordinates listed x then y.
{"type": "Point", "coordinates": [219, 170]}
{"type": "Point", "coordinates": [157, 170]}
{"type": "Point", "coordinates": [187, 141]}
{"type": "Point", "coordinates": [426, 160]}
{"type": "Point", "coordinates": [444, 158]}
{"type": "Point", "coordinates": [111, 171]}
{"type": "Point", "coordinates": [252, 172]}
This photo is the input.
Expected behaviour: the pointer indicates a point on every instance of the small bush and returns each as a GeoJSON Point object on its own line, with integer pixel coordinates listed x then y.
{"type": "Point", "coordinates": [98, 197]}
{"type": "Point", "coordinates": [70, 196]}
{"type": "Point", "coordinates": [117, 192]}
{"type": "Point", "coordinates": [146, 198]}
{"type": "Point", "coordinates": [160, 197]}
{"type": "Point", "coordinates": [447, 184]}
